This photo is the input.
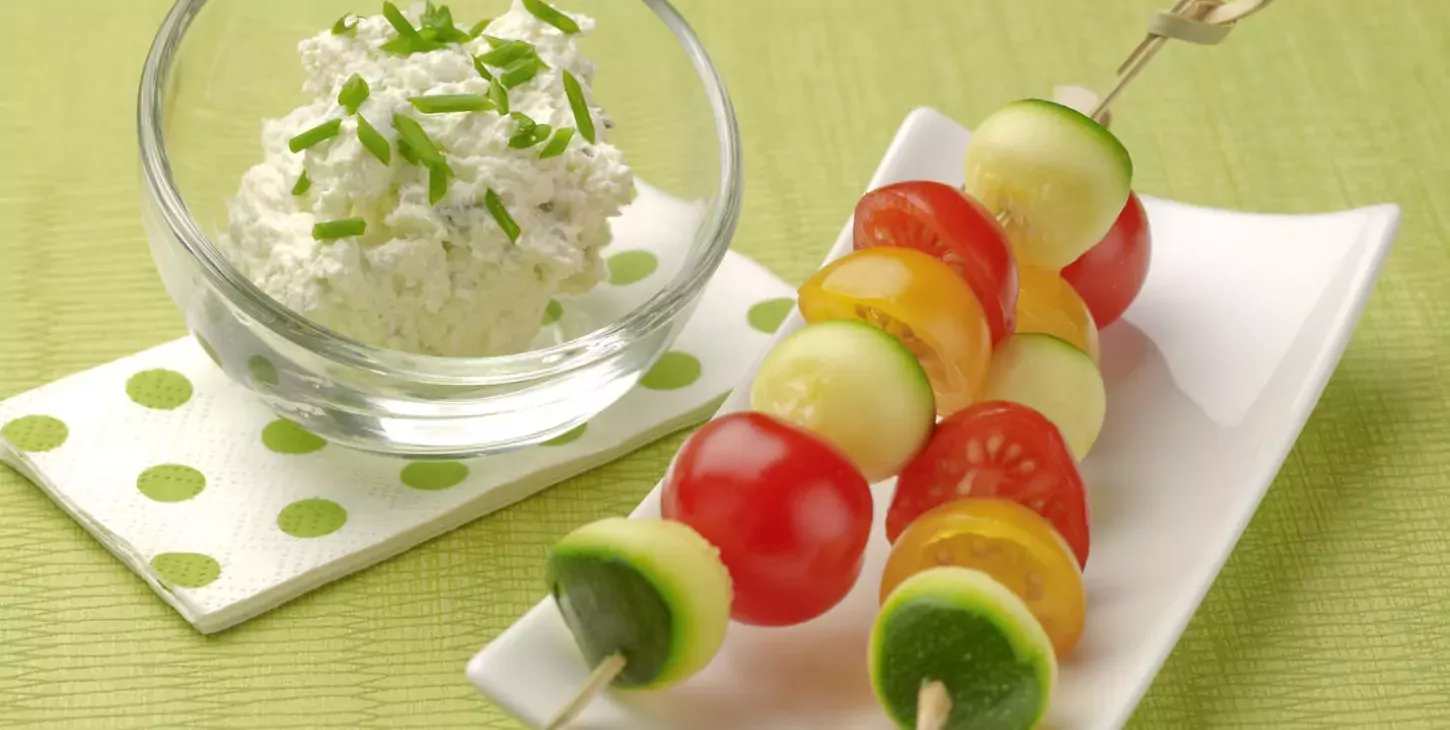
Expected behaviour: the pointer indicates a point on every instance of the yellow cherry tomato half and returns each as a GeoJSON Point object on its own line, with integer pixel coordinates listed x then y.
{"type": "Point", "coordinates": [920, 301]}
{"type": "Point", "coordinates": [1048, 305]}
{"type": "Point", "coordinates": [1007, 541]}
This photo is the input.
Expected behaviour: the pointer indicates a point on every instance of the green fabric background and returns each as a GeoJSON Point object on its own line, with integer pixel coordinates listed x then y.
{"type": "Point", "coordinates": [1334, 610]}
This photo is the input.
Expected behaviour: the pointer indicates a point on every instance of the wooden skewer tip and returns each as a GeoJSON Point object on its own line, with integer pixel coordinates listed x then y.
{"type": "Point", "coordinates": [933, 706]}
{"type": "Point", "coordinates": [603, 675]}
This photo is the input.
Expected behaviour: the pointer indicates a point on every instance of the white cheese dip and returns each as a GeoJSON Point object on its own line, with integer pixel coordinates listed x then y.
{"type": "Point", "coordinates": [444, 278]}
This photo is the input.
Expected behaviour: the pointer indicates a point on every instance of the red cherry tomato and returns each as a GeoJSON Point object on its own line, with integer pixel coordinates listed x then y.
{"type": "Point", "coordinates": [996, 449]}
{"type": "Point", "coordinates": [1109, 276]}
{"type": "Point", "coordinates": [789, 513]}
{"type": "Point", "coordinates": [940, 220]}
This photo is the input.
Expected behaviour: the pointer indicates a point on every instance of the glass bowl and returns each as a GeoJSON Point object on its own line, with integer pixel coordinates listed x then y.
{"type": "Point", "coordinates": [218, 68]}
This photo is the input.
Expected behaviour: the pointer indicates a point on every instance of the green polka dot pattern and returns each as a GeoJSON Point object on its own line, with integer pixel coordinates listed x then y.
{"type": "Point", "coordinates": [35, 433]}
{"type": "Point", "coordinates": [312, 518]}
{"type": "Point", "coordinates": [160, 389]}
{"type": "Point", "coordinates": [568, 437]}
{"type": "Point", "coordinates": [673, 371]}
{"type": "Point", "coordinates": [186, 570]}
{"type": "Point", "coordinates": [171, 482]}
{"type": "Point", "coordinates": [631, 266]}
{"type": "Point", "coordinates": [433, 476]}
{"type": "Point", "coordinates": [285, 437]}
{"type": "Point", "coordinates": [263, 371]}
{"type": "Point", "coordinates": [767, 315]}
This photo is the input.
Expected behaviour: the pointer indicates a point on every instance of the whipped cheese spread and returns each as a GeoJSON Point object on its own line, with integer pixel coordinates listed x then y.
{"type": "Point", "coordinates": [512, 222]}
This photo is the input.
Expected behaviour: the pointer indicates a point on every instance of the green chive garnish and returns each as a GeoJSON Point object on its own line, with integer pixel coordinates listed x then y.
{"type": "Point", "coordinates": [304, 184]}
{"type": "Point", "coordinates": [481, 69]}
{"type": "Point", "coordinates": [446, 103]}
{"type": "Point", "coordinates": [406, 151]}
{"type": "Point", "coordinates": [581, 109]}
{"type": "Point", "coordinates": [546, 12]}
{"type": "Point", "coordinates": [558, 143]}
{"type": "Point", "coordinates": [439, 20]}
{"type": "Point", "coordinates": [353, 93]}
{"type": "Point", "coordinates": [375, 142]}
{"type": "Point", "coordinates": [501, 215]}
{"type": "Point", "coordinates": [397, 20]}
{"type": "Point", "coordinates": [345, 228]}
{"type": "Point", "coordinates": [528, 132]}
{"type": "Point", "coordinates": [409, 41]}
{"type": "Point", "coordinates": [478, 28]}
{"type": "Point", "coordinates": [437, 183]}
{"type": "Point", "coordinates": [520, 71]}
{"type": "Point", "coordinates": [319, 133]}
{"type": "Point", "coordinates": [494, 41]}
{"type": "Point", "coordinates": [498, 95]}
{"type": "Point", "coordinates": [418, 142]}
{"type": "Point", "coordinates": [342, 28]}
{"type": "Point", "coordinates": [507, 52]}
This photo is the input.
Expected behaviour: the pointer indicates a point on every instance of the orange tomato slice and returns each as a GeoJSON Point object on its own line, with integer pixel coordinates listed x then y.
{"type": "Point", "coordinates": [1046, 303]}
{"type": "Point", "coordinates": [1007, 541]}
{"type": "Point", "coordinates": [920, 301]}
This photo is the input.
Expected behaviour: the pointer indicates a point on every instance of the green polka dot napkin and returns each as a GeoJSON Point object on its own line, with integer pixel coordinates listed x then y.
{"type": "Point", "coordinates": [227, 511]}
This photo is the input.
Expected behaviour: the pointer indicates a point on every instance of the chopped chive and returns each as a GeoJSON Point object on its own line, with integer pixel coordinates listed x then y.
{"type": "Point", "coordinates": [342, 28]}
{"type": "Point", "coordinates": [547, 13]}
{"type": "Point", "coordinates": [396, 19]}
{"type": "Point", "coordinates": [480, 68]}
{"type": "Point", "coordinates": [404, 45]}
{"type": "Point", "coordinates": [407, 151]}
{"type": "Point", "coordinates": [409, 40]}
{"type": "Point", "coordinates": [519, 72]}
{"type": "Point", "coordinates": [437, 183]}
{"type": "Point", "coordinates": [501, 215]}
{"type": "Point", "coordinates": [507, 52]}
{"type": "Point", "coordinates": [558, 143]}
{"type": "Point", "coordinates": [345, 228]}
{"type": "Point", "coordinates": [494, 41]}
{"type": "Point", "coordinates": [528, 132]}
{"type": "Point", "coordinates": [478, 28]}
{"type": "Point", "coordinates": [374, 141]}
{"type": "Point", "coordinates": [438, 25]}
{"type": "Point", "coordinates": [304, 184]}
{"type": "Point", "coordinates": [447, 103]}
{"type": "Point", "coordinates": [319, 133]}
{"type": "Point", "coordinates": [498, 95]}
{"type": "Point", "coordinates": [581, 109]}
{"type": "Point", "coordinates": [418, 141]}
{"type": "Point", "coordinates": [353, 93]}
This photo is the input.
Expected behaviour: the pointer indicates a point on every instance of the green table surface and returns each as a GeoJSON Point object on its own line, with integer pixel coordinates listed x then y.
{"type": "Point", "coordinates": [1333, 610]}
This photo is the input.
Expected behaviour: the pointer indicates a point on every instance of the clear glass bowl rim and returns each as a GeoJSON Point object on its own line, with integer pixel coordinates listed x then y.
{"type": "Point", "coordinates": [718, 227]}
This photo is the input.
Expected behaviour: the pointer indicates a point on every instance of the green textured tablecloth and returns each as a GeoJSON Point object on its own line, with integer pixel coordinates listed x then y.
{"type": "Point", "coordinates": [1334, 610]}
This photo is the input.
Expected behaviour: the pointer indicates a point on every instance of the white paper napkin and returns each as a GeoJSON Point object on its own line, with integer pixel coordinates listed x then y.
{"type": "Point", "coordinates": [227, 512]}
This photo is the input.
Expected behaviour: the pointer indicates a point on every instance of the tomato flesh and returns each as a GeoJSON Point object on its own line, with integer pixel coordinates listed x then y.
{"type": "Point", "coordinates": [1111, 274]}
{"type": "Point", "coordinates": [789, 513]}
{"type": "Point", "coordinates": [918, 300]}
{"type": "Point", "coordinates": [940, 220]}
{"type": "Point", "coordinates": [996, 449]}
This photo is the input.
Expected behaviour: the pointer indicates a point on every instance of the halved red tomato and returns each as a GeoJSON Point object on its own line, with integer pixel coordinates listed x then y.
{"type": "Point", "coordinates": [1109, 276]}
{"type": "Point", "coordinates": [942, 221]}
{"type": "Point", "coordinates": [996, 449]}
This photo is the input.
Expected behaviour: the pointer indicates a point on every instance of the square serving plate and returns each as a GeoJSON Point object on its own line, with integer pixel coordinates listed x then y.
{"type": "Point", "coordinates": [1210, 375]}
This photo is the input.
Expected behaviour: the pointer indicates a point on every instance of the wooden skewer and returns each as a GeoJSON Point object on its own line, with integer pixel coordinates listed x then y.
{"type": "Point", "coordinates": [933, 706]}
{"type": "Point", "coordinates": [602, 676]}
{"type": "Point", "coordinates": [1217, 13]}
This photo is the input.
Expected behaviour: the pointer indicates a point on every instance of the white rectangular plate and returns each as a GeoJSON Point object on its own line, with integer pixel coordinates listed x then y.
{"type": "Point", "coordinates": [1211, 375]}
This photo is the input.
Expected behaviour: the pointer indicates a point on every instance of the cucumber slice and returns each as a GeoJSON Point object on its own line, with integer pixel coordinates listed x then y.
{"type": "Point", "coordinates": [959, 627]}
{"type": "Point", "coordinates": [652, 590]}
{"type": "Point", "coordinates": [1056, 179]}
{"type": "Point", "coordinates": [1054, 378]}
{"type": "Point", "coordinates": [853, 385]}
